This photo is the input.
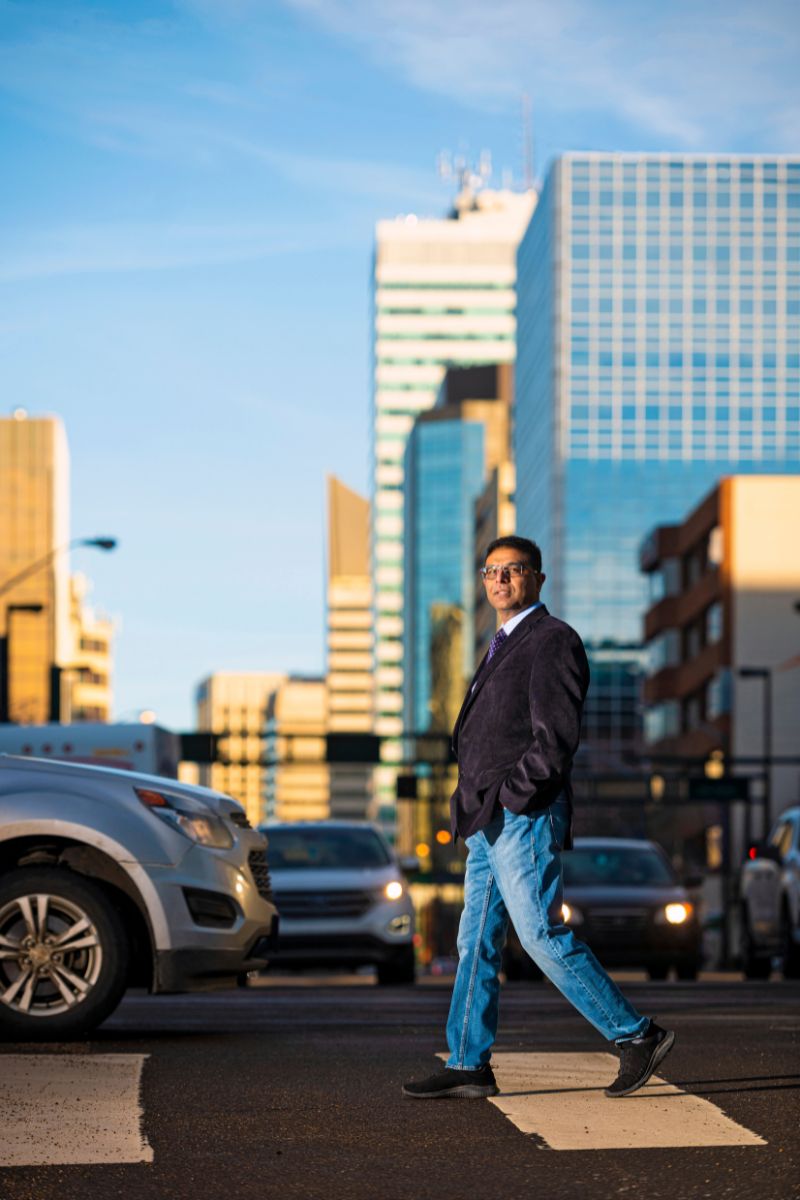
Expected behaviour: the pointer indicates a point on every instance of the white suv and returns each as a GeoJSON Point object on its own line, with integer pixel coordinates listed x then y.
{"type": "Point", "coordinates": [342, 898]}
{"type": "Point", "coordinates": [770, 901]}
{"type": "Point", "coordinates": [111, 879]}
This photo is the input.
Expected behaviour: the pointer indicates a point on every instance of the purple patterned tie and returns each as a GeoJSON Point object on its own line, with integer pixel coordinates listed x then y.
{"type": "Point", "coordinates": [496, 643]}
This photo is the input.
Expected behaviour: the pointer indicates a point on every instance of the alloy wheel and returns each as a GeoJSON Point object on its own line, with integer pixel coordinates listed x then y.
{"type": "Point", "coordinates": [50, 955]}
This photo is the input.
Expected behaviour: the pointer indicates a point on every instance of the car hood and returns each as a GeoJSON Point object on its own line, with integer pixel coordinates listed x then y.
{"type": "Point", "coordinates": [625, 897]}
{"type": "Point", "coordinates": [217, 801]}
{"type": "Point", "coordinates": [344, 880]}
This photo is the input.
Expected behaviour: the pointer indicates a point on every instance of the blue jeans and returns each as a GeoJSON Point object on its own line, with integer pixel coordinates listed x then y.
{"type": "Point", "coordinates": [514, 870]}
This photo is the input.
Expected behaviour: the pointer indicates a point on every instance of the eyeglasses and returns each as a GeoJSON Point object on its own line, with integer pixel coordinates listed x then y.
{"type": "Point", "coordinates": [495, 570]}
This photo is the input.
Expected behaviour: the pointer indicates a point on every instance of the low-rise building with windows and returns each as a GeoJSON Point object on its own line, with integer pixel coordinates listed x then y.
{"type": "Point", "coordinates": [722, 632]}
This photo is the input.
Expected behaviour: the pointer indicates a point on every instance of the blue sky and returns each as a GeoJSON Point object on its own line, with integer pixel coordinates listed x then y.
{"type": "Point", "coordinates": [188, 203]}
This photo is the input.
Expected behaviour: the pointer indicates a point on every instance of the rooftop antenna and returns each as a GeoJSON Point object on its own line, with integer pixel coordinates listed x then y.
{"type": "Point", "coordinates": [527, 142]}
{"type": "Point", "coordinates": [460, 171]}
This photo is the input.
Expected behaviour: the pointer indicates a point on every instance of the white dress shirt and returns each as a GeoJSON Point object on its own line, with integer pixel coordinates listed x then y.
{"type": "Point", "coordinates": [512, 622]}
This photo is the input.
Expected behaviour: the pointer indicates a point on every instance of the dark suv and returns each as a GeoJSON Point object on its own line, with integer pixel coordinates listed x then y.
{"type": "Point", "coordinates": [623, 898]}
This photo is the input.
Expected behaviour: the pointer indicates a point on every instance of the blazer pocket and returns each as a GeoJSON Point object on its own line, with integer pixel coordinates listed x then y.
{"type": "Point", "coordinates": [492, 774]}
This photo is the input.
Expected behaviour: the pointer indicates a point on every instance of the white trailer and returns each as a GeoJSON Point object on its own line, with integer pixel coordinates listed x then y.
{"type": "Point", "coordinates": [136, 747]}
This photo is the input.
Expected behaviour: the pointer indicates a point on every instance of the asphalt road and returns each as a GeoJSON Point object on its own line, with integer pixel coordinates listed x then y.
{"type": "Point", "coordinates": [292, 1090]}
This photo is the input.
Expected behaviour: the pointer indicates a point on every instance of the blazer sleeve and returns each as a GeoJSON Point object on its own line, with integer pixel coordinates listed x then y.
{"type": "Point", "coordinates": [557, 687]}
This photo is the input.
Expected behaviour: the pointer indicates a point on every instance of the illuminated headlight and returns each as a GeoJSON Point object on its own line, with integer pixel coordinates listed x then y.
{"type": "Point", "coordinates": [195, 821]}
{"type": "Point", "coordinates": [571, 915]}
{"type": "Point", "coordinates": [393, 890]}
{"type": "Point", "coordinates": [676, 914]}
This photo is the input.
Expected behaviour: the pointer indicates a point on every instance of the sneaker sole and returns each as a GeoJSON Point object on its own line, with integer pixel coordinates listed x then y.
{"type": "Point", "coordinates": [659, 1054]}
{"type": "Point", "coordinates": [465, 1091]}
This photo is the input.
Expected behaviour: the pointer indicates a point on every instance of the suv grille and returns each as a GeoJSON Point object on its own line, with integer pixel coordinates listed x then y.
{"type": "Point", "coordinates": [257, 861]}
{"type": "Point", "coordinates": [618, 923]}
{"type": "Point", "coordinates": [323, 906]}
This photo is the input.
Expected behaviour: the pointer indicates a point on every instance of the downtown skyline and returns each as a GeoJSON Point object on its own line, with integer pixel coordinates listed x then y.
{"type": "Point", "coordinates": [188, 229]}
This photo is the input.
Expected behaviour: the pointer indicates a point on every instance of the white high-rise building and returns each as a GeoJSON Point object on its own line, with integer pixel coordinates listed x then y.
{"type": "Point", "coordinates": [444, 295]}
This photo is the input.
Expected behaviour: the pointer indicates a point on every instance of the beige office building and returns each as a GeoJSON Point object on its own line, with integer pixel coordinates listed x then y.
{"type": "Point", "coordinates": [34, 520]}
{"type": "Point", "coordinates": [349, 642]}
{"type": "Point", "coordinates": [86, 693]}
{"type": "Point", "coordinates": [236, 704]}
{"type": "Point", "coordinates": [444, 294]}
{"type": "Point", "coordinates": [297, 781]}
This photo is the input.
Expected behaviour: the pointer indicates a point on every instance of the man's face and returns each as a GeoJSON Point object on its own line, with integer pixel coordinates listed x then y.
{"type": "Point", "coordinates": [508, 592]}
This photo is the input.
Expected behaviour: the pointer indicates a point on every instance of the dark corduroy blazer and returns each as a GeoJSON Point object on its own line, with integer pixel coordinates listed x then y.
{"type": "Point", "coordinates": [519, 726]}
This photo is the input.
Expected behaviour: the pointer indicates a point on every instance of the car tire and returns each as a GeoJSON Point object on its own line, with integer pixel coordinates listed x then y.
{"type": "Point", "coordinates": [790, 951]}
{"type": "Point", "coordinates": [754, 965]}
{"type": "Point", "coordinates": [55, 985]}
{"type": "Point", "coordinates": [657, 971]}
{"type": "Point", "coordinates": [687, 968]}
{"type": "Point", "coordinates": [519, 967]}
{"type": "Point", "coordinates": [400, 970]}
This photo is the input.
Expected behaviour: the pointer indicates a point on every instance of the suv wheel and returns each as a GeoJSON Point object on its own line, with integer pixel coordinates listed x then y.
{"type": "Point", "coordinates": [401, 969]}
{"type": "Point", "coordinates": [657, 970]}
{"type": "Point", "coordinates": [754, 965]}
{"type": "Point", "coordinates": [790, 951]}
{"type": "Point", "coordinates": [63, 955]}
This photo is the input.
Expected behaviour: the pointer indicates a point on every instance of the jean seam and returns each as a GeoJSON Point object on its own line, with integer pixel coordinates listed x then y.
{"type": "Point", "coordinates": [473, 973]}
{"type": "Point", "coordinates": [545, 924]}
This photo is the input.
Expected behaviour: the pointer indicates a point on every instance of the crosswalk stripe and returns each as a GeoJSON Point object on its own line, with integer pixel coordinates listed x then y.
{"type": "Point", "coordinates": [71, 1108]}
{"type": "Point", "coordinates": [560, 1098]}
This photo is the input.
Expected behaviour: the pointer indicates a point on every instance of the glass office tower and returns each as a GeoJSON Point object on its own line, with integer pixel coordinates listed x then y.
{"type": "Point", "coordinates": [444, 475]}
{"type": "Point", "coordinates": [658, 350]}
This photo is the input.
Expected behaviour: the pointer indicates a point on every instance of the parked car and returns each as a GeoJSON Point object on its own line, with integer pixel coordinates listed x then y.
{"type": "Point", "coordinates": [342, 898]}
{"type": "Point", "coordinates": [111, 879]}
{"type": "Point", "coordinates": [769, 889]}
{"type": "Point", "coordinates": [623, 898]}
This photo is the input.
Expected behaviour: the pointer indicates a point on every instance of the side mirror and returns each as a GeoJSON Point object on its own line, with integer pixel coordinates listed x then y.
{"type": "Point", "coordinates": [693, 881]}
{"type": "Point", "coordinates": [409, 864]}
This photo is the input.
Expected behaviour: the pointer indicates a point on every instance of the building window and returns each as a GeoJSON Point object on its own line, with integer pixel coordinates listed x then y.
{"type": "Point", "coordinates": [714, 623]}
{"type": "Point", "coordinates": [718, 695]}
{"type": "Point", "coordinates": [662, 720]}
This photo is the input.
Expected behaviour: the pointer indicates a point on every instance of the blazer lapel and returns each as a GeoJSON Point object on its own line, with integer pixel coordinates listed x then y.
{"type": "Point", "coordinates": [486, 669]}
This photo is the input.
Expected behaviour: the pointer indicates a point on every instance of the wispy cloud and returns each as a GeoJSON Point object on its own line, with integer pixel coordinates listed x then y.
{"type": "Point", "coordinates": [126, 87]}
{"type": "Point", "coordinates": [104, 248]}
{"type": "Point", "coordinates": [681, 71]}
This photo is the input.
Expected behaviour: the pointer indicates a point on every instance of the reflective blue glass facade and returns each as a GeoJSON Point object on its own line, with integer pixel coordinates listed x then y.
{"type": "Point", "coordinates": [444, 473]}
{"type": "Point", "coordinates": [658, 350]}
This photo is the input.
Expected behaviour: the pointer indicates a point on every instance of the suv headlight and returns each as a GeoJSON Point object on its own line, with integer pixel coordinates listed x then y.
{"type": "Point", "coordinates": [677, 913]}
{"type": "Point", "coordinates": [393, 890]}
{"type": "Point", "coordinates": [198, 824]}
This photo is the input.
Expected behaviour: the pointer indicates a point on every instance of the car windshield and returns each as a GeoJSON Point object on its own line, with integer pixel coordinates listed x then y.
{"type": "Point", "coordinates": [615, 866]}
{"type": "Point", "coordinates": [324, 849]}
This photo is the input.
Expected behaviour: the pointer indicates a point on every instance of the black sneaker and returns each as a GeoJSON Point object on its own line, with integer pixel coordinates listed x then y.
{"type": "Point", "coordinates": [639, 1059]}
{"type": "Point", "coordinates": [462, 1085]}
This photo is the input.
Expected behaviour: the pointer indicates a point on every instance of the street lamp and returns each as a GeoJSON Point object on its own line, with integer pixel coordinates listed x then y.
{"type": "Point", "coordinates": [765, 675]}
{"type": "Point", "coordinates": [99, 543]}
{"type": "Point", "coordinates": [4, 640]}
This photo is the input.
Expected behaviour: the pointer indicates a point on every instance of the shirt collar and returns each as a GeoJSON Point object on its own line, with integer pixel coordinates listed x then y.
{"type": "Point", "coordinates": [513, 622]}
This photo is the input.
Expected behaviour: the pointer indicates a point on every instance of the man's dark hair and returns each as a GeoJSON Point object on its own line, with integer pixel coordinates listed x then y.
{"type": "Point", "coordinates": [523, 545]}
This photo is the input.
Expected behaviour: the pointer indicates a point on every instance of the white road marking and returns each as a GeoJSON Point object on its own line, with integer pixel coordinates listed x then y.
{"type": "Point", "coordinates": [560, 1098]}
{"type": "Point", "coordinates": [71, 1108]}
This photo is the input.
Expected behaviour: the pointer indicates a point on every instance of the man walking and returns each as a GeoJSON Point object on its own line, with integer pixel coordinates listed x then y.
{"type": "Point", "coordinates": [515, 739]}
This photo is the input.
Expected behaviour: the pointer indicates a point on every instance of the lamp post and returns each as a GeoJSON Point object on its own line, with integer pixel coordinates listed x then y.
{"type": "Point", "coordinates": [5, 715]}
{"type": "Point", "coordinates": [98, 543]}
{"type": "Point", "coordinates": [765, 675]}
